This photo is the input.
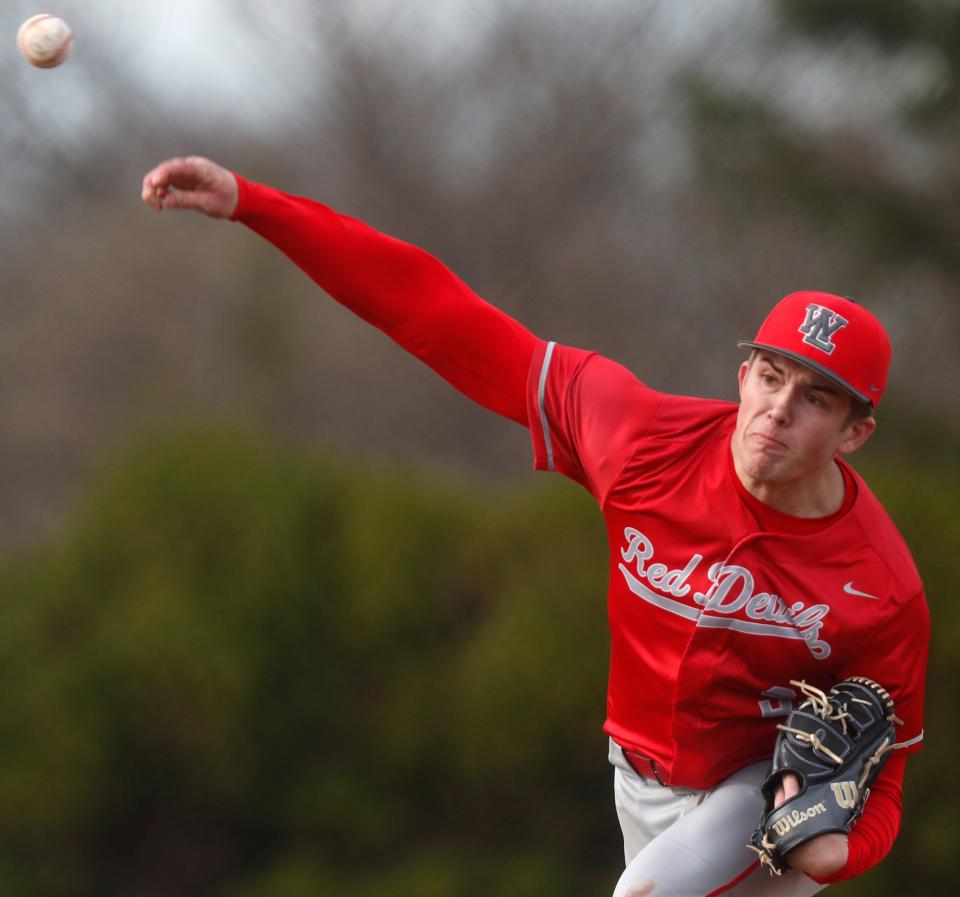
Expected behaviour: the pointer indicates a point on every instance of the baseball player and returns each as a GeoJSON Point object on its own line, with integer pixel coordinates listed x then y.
{"type": "Point", "coordinates": [745, 554]}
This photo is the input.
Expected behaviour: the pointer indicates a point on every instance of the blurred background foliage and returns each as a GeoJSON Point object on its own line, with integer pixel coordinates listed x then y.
{"type": "Point", "coordinates": [334, 638]}
{"type": "Point", "coordinates": [242, 669]}
{"type": "Point", "coordinates": [246, 670]}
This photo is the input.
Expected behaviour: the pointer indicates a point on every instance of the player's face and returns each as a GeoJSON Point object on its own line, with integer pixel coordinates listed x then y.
{"type": "Point", "coordinates": [792, 422]}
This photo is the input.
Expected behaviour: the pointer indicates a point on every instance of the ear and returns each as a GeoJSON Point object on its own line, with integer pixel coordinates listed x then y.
{"type": "Point", "coordinates": [742, 375]}
{"type": "Point", "coordinates": [857, 434]}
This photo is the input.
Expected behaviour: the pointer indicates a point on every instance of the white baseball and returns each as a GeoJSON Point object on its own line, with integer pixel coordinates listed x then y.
{"type": "Point", "coordinates": [45, 40]}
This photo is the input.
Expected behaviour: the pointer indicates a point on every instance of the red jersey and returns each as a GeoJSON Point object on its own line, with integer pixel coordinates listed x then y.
{"type": "Point", "coordinates": [711, 614]}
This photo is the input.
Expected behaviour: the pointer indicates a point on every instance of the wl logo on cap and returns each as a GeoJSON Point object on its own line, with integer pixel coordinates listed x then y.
{"type": "Point", "coordinates": [819, 326]}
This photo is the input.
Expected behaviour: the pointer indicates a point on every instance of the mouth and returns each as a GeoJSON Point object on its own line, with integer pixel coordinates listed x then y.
{"type": "Point", "coordinates": [768, 442]}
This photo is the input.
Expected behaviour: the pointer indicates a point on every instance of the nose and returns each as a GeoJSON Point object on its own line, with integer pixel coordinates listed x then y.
{"type": "Point", "coordinates": [780, 405]}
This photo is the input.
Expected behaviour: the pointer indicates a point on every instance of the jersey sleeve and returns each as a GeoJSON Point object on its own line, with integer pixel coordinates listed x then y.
{"type": "Point", "coordinates": [402, 290]}
{"type": "Point", "coordinates": [587, 415]}
{"type": "Point", "coordinates": [874, 832]}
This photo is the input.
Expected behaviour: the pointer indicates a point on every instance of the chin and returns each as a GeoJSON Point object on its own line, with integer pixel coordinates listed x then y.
{"type": "Point", "coordinates": [763, 470]}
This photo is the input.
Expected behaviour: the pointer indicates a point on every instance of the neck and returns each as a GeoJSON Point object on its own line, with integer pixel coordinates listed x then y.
{"type": "Point", "coordinates": [818, 495]}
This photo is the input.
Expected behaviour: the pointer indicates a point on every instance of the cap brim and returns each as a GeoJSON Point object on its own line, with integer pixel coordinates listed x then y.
{"type": "Point", "coordinates": [809, 363]}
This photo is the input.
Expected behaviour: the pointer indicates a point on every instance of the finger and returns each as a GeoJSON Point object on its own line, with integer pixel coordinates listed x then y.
{"type": "Point", "coordinates": [791, 785]}
{"type": "Point", "coordinates": [157, 181]}
{"type": "Point", "coordinates": [778, 796]}
{"type": "Point", "coordinates": [148, 190]}
{"type": "Point", "coordinates": [181, 199]}
{"type": "Point", "coordinates": [151, 193]}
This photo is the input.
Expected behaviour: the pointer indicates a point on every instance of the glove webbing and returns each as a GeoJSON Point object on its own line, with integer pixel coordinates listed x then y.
{"type": "Point", "coordinates": [820, 704]}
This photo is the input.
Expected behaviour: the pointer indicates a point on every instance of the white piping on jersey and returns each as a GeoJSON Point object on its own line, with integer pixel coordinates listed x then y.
{"type": "Point", "coordinates": [541, 392]}
{"type": "Point", "coordinates": [745, 626]}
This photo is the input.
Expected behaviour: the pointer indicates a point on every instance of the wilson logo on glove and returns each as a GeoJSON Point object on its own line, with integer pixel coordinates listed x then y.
{"type": "Point", "coordinates": [798, 817]}
{"type": "Point", "coordinates": [845, 794]}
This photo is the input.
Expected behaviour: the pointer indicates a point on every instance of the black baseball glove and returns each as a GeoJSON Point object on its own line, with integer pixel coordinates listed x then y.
{"type": "Point", "coordinates": [835, 742]}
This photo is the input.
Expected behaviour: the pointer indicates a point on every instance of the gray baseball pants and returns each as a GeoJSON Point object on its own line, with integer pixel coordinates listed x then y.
{"type": "Point", "coordinates": [683, 843]}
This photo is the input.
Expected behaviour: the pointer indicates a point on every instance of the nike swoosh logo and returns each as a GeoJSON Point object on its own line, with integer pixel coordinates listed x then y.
{"type": "Point", "coordinates": [850, 590]}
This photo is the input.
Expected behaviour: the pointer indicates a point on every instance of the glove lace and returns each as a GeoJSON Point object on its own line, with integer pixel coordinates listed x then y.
{"type": "Point", "coordinates": [765, 853]}
{"type": "Point", "coordinates": [814, 742]}
{"type": "Point", "coordinates": [820, 703]}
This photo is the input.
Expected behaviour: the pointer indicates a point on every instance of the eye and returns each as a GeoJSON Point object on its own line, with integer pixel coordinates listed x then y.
{"type": "Point", "coordinates": [816, 400]}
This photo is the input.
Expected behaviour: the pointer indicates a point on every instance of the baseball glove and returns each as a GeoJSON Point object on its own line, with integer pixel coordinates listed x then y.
{"type": "Point", "coordinates": [835, 742]}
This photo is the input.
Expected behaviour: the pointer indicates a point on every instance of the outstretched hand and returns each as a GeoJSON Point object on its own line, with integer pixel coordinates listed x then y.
{"type": "Point", "coordinates": [191, 183]}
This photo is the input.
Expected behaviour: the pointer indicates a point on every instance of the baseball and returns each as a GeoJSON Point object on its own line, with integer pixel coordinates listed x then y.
{"type": "Point", "coordinates": [45, 40]}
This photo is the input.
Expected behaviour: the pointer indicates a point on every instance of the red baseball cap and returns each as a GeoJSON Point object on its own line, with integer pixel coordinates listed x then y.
{"type": "Point", "coordinates": [833, 336]}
